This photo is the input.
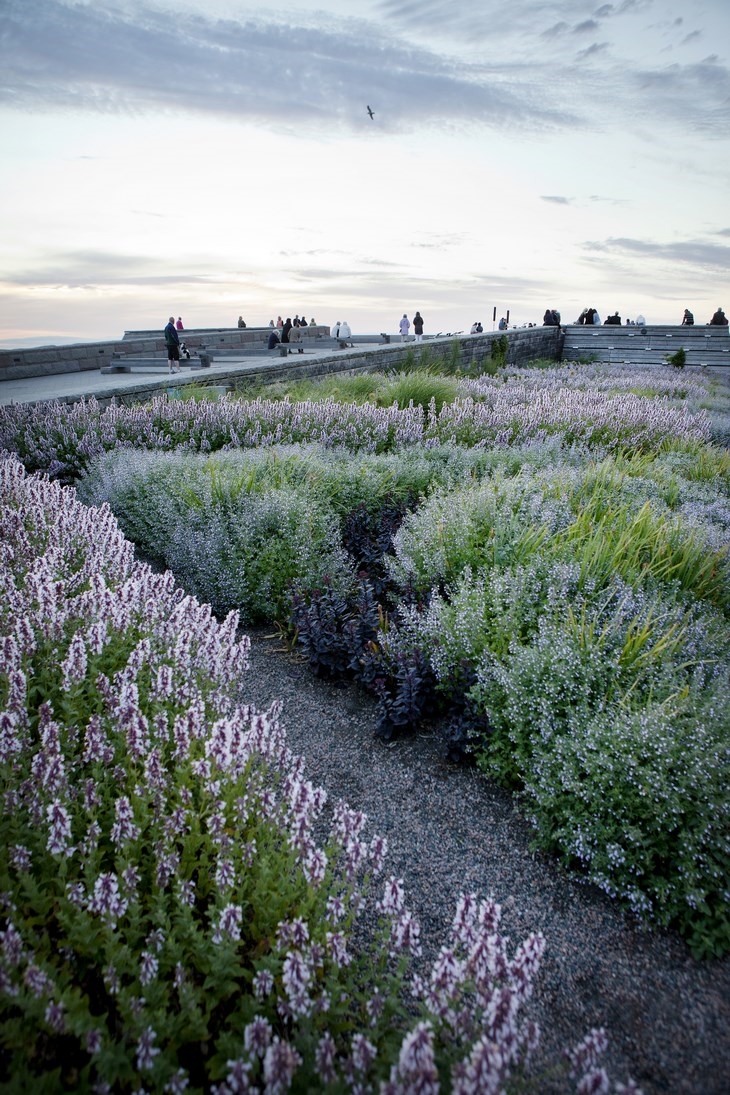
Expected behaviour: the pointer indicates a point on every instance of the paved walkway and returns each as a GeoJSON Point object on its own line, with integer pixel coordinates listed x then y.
{"type": "Point", "coordinates": [225, 370]}
{"type": "Point", "coordinates": [70, 387]}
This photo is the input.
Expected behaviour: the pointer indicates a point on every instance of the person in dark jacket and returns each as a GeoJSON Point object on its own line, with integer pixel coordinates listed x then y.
{"type": "Point", "coordinates": [688, 319]}
{"type": "Point", "coordinates": [286, 329]}
{"type": "Point", "coordinates": [172, 341]}
{"type": "Point", "coordinates": [418, 326]}
{"type": "Point", "coordinates": [719, 319]}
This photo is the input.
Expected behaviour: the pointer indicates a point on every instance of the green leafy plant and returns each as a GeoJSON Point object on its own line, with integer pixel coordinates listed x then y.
{"type": "Point", "coordinates": [498, 350]}
{"type": "Point", "coordinates": [678, 359]}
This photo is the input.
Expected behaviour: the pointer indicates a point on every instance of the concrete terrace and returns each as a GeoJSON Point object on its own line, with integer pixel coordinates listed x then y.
{"type": "Point", "coordinates": [134, 368]}
{"type": "Point", "coordinates": [99, 370]}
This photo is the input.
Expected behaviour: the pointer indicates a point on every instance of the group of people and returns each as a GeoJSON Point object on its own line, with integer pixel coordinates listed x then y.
{"type": "Point", "coordinates": [341, 331]}
{"type": "Point", "coordinates": [590, 317]}
{"type": "Point", "coordinates": [286, 331]}
{"type": "Point", "coordinates": [405, 325]}
{"type": "Point", "coordinates": [719, 319]}
{"type": "Point", "coordinates": [289, 330]}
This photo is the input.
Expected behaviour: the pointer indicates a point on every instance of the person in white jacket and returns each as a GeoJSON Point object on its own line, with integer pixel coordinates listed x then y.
{"type": "Point", "coordinates": [404, 327]}
{"type": "Point", "coordinates": [345, 333]}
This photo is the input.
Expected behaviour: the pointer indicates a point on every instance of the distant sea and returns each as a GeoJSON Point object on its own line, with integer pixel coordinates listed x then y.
{"type": "Point", "coordinates": [36, 342]}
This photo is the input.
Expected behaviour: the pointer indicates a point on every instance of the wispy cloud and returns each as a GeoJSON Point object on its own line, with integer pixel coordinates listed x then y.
{"type": "Point", "coordinates": [697, 253]}
{"type": "Point", "coordinates": [319, 73]}
{"type": "Point", "coordinates": [593, 50]}
{"type": "Point", "coordinates": [101, 58]}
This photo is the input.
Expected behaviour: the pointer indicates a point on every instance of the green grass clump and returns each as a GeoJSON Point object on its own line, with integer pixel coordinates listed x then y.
{"type": "Point", "coordinates": [419, 387]}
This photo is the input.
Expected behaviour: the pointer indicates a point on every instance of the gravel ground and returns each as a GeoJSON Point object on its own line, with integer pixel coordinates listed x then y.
{"type": "Point", "coordinates": [449, 830]}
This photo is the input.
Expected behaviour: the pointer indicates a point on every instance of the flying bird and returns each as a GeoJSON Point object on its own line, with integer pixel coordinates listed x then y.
{"type": "Point", "coordinates": [371, 113]}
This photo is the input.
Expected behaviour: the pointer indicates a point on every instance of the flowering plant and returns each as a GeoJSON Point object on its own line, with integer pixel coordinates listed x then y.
{"type": "Point", "coordinates": [169, 919]}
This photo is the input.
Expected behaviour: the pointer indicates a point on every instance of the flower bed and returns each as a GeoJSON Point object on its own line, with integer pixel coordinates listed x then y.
{"type": "Point", "coordinates": [557, 591]}
{"type": "Point", "coordinates": [178, 901]}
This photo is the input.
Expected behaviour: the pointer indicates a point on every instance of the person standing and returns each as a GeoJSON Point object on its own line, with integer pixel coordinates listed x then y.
{"type": "Point", "coordinates": [172, 341]}
{"type": "Point", "coordinates": [418, 326]}
{"type": "Point", "coordinates": [286, 329]}
{"type": "Point", "coordinates": [404, 327]}
{"type": "Point", "coordinates": [179, 324]}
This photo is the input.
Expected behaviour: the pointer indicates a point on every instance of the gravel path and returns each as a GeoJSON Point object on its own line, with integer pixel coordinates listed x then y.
{"type": "Point", "coordinates": [449, 830]}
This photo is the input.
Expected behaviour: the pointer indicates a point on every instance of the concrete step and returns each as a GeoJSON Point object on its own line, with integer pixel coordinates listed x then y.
{"type": "Point", "coordinates": [647, 345]}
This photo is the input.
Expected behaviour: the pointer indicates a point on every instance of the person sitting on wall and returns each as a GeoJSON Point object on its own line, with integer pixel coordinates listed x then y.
{"type": "Point", "coordinates": [719, 319]}
{"type": "Point", "coordinates": [688, 319]}
{"type": "Point", "coordinates": [612, 321]}
{"type": "Point", "coordinates": [502, 324]}
{"type": "Point", "coordinates": [241, 322]}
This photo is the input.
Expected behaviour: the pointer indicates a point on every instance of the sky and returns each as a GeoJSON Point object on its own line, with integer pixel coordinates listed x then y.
{"type": "Point", "coordinates": [216, 158]}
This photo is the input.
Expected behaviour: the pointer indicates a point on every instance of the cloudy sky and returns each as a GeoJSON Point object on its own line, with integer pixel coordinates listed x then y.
{"type": "Point", "coordinates": [216, 158]}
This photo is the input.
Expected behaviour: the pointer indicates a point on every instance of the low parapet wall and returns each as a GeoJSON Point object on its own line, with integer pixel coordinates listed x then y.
{"type": "Point", "coordinates": [524, 344]}
{"type": "Point", "coordinates": [50, 360]}
{"type": "Point", "coordinates": [84, 356]}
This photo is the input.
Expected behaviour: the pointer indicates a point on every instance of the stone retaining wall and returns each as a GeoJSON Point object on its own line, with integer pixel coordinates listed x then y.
{"type": "Point", "coordinates": [524, 344]}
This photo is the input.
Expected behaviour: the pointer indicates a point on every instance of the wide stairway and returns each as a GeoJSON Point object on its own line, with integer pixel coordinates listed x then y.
{"type": "Point", "coordinates": [650, 345]}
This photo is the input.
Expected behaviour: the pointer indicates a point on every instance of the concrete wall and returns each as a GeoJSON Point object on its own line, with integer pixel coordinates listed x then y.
{"type": "Point", "coordinates": [82, 356]}
{"type": "Point", "coordinates": [48, 360]}
{"type": "Point", "coordinates": [525, 344]}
